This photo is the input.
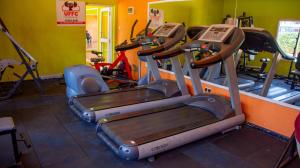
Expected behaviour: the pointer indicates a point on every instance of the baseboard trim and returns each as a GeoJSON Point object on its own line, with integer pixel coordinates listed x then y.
{"type": "Point", "coordinates": [54, 76]}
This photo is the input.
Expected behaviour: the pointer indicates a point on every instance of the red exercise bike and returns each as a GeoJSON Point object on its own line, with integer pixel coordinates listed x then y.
{"type": "Point", "coordinates": [120, 70]}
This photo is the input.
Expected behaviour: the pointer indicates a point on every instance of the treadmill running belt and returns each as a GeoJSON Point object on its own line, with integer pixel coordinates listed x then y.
{"type": "Point", "coordinates": [117, 99]}
{"type": "Point", "coordinates": [148, 128]}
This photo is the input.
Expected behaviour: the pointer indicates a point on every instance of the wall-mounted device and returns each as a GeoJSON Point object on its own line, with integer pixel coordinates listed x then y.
{"type": "Point", "coordinates": [130, 10]}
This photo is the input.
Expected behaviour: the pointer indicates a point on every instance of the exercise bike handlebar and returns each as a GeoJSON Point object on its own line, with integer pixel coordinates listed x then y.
{"type": "Point", "coordinates": [132, 29]}
{"type": "Point", "coordinates": [147, 27]}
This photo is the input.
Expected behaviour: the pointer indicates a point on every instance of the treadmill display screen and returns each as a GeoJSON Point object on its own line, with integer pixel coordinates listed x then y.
{"type": "Point", "coordinates": [217, 33]}
{"type": "Point", "coordinates": [166, 30]}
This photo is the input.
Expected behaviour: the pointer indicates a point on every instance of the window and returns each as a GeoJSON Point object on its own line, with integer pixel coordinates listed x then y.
{"type": "Point", "coordinates": [288, 37]}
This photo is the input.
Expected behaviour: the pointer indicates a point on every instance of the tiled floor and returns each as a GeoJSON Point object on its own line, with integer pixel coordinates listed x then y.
{"type": "Point", "coordinates": [60, 139]}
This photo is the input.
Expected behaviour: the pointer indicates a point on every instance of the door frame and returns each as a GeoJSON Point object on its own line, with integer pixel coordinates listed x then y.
{"type": "Point", "coordinates": [109, 38]}
{"type": "Point", "coordinates": [98, 35]}
{"type": "Point", "coordinates": [111, 29]}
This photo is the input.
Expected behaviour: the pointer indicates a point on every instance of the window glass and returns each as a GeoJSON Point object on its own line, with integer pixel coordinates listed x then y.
{"type": "Point", "coordinates": [288, 37]}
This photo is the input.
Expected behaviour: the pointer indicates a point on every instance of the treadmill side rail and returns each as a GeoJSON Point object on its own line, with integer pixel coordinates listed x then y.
{"type": "Point", "coordinates": [139, 107]}
{"type": "Point", "coordinates": [95, 115]}
{"type": "Point", "coordinates": [162, 145]}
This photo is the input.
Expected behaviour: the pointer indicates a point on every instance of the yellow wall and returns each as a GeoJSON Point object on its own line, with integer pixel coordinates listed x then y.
{"type": "Point", "coordinates": [33, 25]}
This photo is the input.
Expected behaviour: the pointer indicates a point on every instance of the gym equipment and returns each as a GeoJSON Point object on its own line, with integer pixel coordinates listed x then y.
{"type": "Point", "coordinates": [145, 133]}
{"type": "Point", "coordinates": [214, 74]}
{"type": "Point", "coordinates": [83, 79]}
{"type": "Point", "coordinates": [245, 21]}
{"type": "Point", "coordinates": [292, 148]}
{"type": "Point", "coordinates": [92, 107]}
{"type": "Point", "coordinates": [27, 60]}
{"type": "Point", "coordinates": [7, 127]}
{"type": "Point", "coordinates": [292, 62]}
{"type": "Point", "coordinates": [295, 74]}
{"type": "Point", "coordinates": [120, 68]}
{"type": "Point", "coordinates": [258, 72]}
{"type": "Point", "coordinates": [260, 40]}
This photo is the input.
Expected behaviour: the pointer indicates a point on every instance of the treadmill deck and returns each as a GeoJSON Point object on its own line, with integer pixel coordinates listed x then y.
{"type": "Point", "coordinates": [154, 126]}
{"type": "Point", "coordinates": [120, 98]}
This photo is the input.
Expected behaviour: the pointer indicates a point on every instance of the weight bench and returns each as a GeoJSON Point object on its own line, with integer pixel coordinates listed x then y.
{"type": "Point", "coordinates": [7, 127]}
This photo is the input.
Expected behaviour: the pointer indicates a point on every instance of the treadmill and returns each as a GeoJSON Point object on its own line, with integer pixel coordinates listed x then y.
{"type": "Point", "coordinates": [212, 73]}
{"type": "Point", "coordinates": [259, 40]}
{"type": "Point", "coordinates": [143, 134]}
{"type": "Point", "coordinates": [92, 107]}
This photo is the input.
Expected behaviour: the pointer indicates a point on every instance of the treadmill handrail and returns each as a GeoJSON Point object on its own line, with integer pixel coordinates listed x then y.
{"type": "Point", "coordinates": [226, 51]}
{"type": "Point", "coordinates": [168, 54]}
{"type": "Point", "coordinates": [126, 47]}
{"type": "Point", "coordinates": [180, 49]}
{"type": "Point", "coordinates": [179, 35]}
{"type": "Point", "coordinates": [269, 39]}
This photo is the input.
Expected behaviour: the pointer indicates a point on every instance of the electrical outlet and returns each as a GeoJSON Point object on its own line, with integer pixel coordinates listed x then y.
{"type": "Point", "coordinates": [207, 90]}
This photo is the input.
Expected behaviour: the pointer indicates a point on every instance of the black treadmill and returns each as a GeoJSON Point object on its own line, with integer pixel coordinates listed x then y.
{"type": "Point", "coordinates": [259, 40]}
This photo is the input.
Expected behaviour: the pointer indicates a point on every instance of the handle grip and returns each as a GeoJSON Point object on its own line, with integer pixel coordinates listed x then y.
{"type": "Point", "coordinates": [151, 51]}
{"type": "Point", "coordinates": [127, 46]}
{"type": "Point", "coordinates": [168, 54]}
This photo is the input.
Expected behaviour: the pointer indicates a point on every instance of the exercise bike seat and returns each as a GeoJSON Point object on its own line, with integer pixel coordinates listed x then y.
{"type": "Point", "coordinates": [6, 124]}
{"type": "Point", "coordinates": [98, 53]}
{"type": "Point", "coordinates": [97, 60]}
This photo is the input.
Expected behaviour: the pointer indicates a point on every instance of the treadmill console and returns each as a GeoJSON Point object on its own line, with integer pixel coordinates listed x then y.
{"type": "Point", "coordinates": [166, 30]}
{"type": "Point", "coordinates": [217, 33]}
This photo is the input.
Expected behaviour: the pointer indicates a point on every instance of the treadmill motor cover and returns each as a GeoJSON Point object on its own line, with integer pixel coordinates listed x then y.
{"type": "Point", "coordinates": [82, 79]}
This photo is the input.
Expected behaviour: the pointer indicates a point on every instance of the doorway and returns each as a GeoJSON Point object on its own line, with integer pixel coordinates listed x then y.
{"type": "Point", "coordinates": [99, 32]}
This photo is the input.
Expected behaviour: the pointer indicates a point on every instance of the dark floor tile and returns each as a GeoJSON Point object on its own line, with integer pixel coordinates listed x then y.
{"type": "Point", "coordinates": [268, 154]}
{"type": "Point", "coordinates": [85, 136]}
{"type": "Point", "coordinates": [209, 155]}
{"type": "Point", "coordinates": [294, 164]}
{"type": "Point", "coordinates": [175, 159]}
{"type": "Point", "coordinates": [63, 113]}
{"type": "Point", "coordinates": [51, 141]}
{"type": "Point", "coordinates": [243, 143]}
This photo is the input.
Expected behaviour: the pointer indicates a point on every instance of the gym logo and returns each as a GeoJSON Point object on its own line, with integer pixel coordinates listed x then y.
{"type": "Point", "coordinates": [70, 12]}
{"type": "Point", "coordinates": [71, 8]}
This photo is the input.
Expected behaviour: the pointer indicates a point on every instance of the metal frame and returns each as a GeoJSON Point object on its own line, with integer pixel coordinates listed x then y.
{"type": "Point", "coordinates": [13, 135]}
{"type": "Point", "coordinates": [29, 62]}
{"type": "Point", "coordinates": [271, 74]}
